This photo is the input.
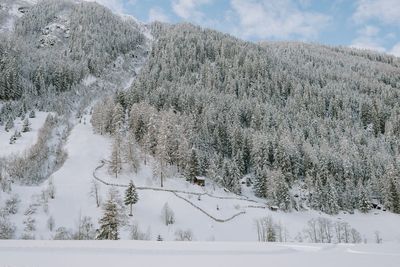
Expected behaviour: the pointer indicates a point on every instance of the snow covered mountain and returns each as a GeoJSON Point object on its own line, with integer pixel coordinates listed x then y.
{"type": "Point", "coordinates": [11, 10]}
{"type": "Point", "coordinates": [294, 142]}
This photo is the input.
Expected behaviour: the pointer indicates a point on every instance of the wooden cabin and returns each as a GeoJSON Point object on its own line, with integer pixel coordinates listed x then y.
{"type": "Point", "coordinates": [199, 181]}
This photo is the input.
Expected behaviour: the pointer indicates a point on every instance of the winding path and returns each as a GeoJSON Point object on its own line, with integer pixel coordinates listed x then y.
{"type": "Point", "coordinates": [176, 193]}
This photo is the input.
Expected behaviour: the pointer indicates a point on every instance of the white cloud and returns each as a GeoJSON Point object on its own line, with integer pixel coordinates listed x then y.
{"type": "Point", "coordinates": [385, 11]}
{"type": "Point", "coordinates": [158, 14]}
{"type": "Point", "coordinates": [368, 38]}
{"type": "Point", "coordinates": [131, 2]}
{"type": "Point", "coordinates": [395, 50]}
{"type": "Point", "coordinates": [188, 9]}
{"type": "Point", "coordinates": [277, 19]}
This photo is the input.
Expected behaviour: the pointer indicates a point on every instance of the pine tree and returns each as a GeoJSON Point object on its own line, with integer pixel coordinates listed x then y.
{"type": "Point", "coordinates": [9, 124]}
{"type": "Point", "coordinates": [261, 183]}
{"type": "Point", "coordinates": [131, 196]}
{"type": "Point", "coordinates": [363, 201]}
{"type": "Point", "coordinates": [116, 157]}
{"type": "Point", "coordinates": [117, 118]}
{"type": "Point", "coordinates": [14, 137]}
{"type": "Point", "coordinates": [26, 126]}
{"type": "Point", "coordinates": [330, 198]}
{"type": "Point", "coordinates": [394, 196]}
{"type": "Point", "coordinates": [193, 166]}
{"type": "Point", "coordinates": [132, 153]}
{"type": "Point", "coordinates": [32, 114]}
{"type": "Point", "coordinates": [110, 222]}
{"type": "Point", "coordinates": [236, 175]}
{"type": "Point", "coordinates": [282, 195]}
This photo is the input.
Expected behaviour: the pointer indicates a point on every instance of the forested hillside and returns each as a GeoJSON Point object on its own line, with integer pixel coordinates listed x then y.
{"type": "Point", "coordinates": [55, 44]}
{"type": "Point", "coordinates": [111, 128]}
{"type": "Point", "coordinates": [294, 117]}
{"type": "Point", "coordinates": [57, 58]}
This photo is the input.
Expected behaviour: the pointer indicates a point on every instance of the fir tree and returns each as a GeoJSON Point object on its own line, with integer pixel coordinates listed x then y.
{"type": "Point", "coordinates": [131, 196]}
{"type": "Point", "coordinates": [110, 222]}
{"type": "Point", "coordinates": [26, 126]}
{"type": "Point", "coordinates": [117, 118]}
{"type": "Point", "coordinates": [394, 196]}
{"type": "Point", "coordinates": [193, 166]}
{"type": "Point", "coordinates": [282, 195]}
{"type": "Point", "coordinates": [32, 114]}
{"type": "Point", "coordinates": [330, 198]}
{"type": "Point", "coordinates": [363, 201]}
{"type": "Point", "coordinates": [9, 124]}
{"type": "Point", "coordinates": [261, 184]}
{"type": "Point", "coordinates": [116, 157]}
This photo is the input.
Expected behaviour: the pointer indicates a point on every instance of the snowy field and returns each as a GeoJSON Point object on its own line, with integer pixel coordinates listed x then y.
{"type": "Point", "coordinates": [194, 254]}
{"type": "Point", "coordinates": [27, 140]}
{"type": "Point", "coordinates": [202, 216]}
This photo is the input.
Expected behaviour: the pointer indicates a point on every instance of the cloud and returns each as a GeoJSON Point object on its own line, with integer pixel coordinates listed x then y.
{"type": "Point", "coordinates": [385, 11]}
{"type": "Point", "coordinates": [188, 9]}
{"type": "Point", "coordinates": [131, 2]}
{"type": "Point", "coordinates": [158, 14]}
{"type": "Point", "coordinates": [395, 50]}
{"type": "Point", "coordinates": [368, 38]}
{"type": "Point", "coordinates": [277, 19]}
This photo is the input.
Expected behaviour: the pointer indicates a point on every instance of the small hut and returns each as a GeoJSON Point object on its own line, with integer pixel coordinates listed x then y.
{"type": "Point", "coordinates": [199, 181]}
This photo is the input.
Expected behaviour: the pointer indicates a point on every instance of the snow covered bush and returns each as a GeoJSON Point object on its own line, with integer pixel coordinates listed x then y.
{"type": "Point", "coordinates": [51, 189]}
{"type": "Point", "coordinates": [51, 223]}
{"type": "Point", "coordinates": [12, 204]}
{"type": "Point", "coordinates": [266, 229]}
{"type": "Point", "coordinates": [31, 209]}
{"type": "Point", "coordinates": [35, 166]}
{"type": "Point", "coordinates": [167, 215]}
{"type": "Point", "coordinates": [324, 230]}
{"type": "Point", "coordinates": [63, 233]}
{"type": "Point", "coordinates": [137, 234]}
{"type": "Point", "coordinates": [86, 230]}
{"type": "Point", "coordinates": [95, 192]}
{"type": "Point", "coordinates": [29, 228]}
{"type": "Point", "coordinates": [181, 235]}
{"type": "Point", "coordinates": [7, 228]}
{"type": "Point", "coordinates": [32, 114]}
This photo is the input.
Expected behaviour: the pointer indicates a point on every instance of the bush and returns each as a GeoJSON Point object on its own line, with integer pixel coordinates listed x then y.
{"type": "Point", "coordinates": [168, 215]}
{"type": "Point", "coordinates": [7, 229]}
{"type": "Point", "coordinates": [137, 234]}
{"type": "Point", "coordinates": [12, 204]}
{"type": "Point", "coordinates": [63, 233]}
{"type": "Point", "coordinates": [181, 235]}
{"type": "Point", "coordinates": [323, 230]}
{"type": "Point", "coordinates": [51, 223]}
{"type": "Point", "coordinates": [86, 229]}
{"type": "Point", "coordinates": [266, 229]}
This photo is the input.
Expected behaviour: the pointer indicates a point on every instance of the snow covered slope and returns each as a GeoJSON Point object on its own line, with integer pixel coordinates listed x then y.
{"type": "Point", "coordinates": [209, 213]}
{"type": "Point", "coordinates": [26, 140]}
{"type": "Point", "coordinates": [10, 10]}
{"type": "Point", "coordinates": [128, 253]}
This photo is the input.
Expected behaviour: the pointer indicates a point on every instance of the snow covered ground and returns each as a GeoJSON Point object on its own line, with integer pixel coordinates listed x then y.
{"type": "Point", "coordinates": [142, 253]}
{"type": "Point", "coordinates": [26, 141]}
{"type": "Point", "coordinates": [202, 216]}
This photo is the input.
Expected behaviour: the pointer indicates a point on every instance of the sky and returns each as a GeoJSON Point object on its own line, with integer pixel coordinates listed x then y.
{"type": "Point", "coordinates": [365, 24]}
